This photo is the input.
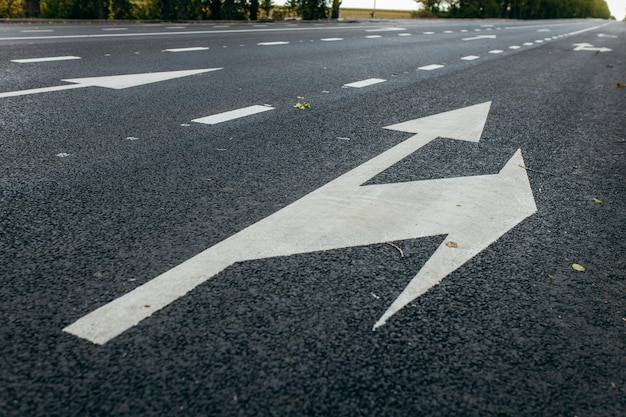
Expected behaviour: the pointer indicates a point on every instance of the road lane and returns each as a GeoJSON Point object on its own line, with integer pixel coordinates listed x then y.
{"type": "Point", "coordinates": [516, 331]}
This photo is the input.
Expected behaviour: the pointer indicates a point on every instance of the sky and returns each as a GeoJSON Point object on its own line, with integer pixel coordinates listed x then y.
{"type": "Point", "coordinates": [617, 7]}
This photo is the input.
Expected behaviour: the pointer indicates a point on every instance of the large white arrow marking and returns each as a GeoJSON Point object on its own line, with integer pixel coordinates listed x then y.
{"type": "Point", "coordinates": [472, 211]}
{"type": "Point", "coordinates": [117, 82]}
{"type": "Point", "coordinates": [590, 48]}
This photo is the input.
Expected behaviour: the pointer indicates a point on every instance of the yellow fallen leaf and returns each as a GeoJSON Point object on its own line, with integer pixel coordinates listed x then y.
{"type": "Point", "coordinates": [576, 167]}
{"type": "Point", "coordinates": [579, 267]}
{"type": "Point", "coordinates": [597, 201]}
{"type": "Point", "coordinates": [303, 105]}
{"type": "Point", "coordinates": [451, 244]}
{"type": "Point", "coordinates": [621, 85]}
{"type": "Point", "coordinates": [553, 277]}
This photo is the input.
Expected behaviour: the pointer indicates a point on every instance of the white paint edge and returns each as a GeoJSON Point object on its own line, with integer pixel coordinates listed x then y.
{"type": "Point", "coordinates": [470, 58]}
{"type": "Point", "coordinates": [232, 115]}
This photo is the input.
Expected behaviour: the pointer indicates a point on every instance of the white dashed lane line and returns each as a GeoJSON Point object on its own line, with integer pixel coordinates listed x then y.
{"type": "Point", "coordinates": [191, 49]}
{"type": "Point", "coordinates": [430, 67]}
{"type": "Point", "coordinates": [273, 43]}
{"type": "Point", "coordinates": [365, 83]}
{"type": "Point", "coordinates": [232, 115]}
{"type": "Point", "coordinates": [45, 59]}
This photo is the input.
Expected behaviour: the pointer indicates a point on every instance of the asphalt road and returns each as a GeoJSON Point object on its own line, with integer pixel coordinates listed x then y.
{"type": "Point", "coordinates": [106, 186]}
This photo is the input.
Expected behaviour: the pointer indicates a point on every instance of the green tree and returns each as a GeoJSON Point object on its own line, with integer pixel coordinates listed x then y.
{"type": "Point", "coordinates": [334, 14]}
{"type": "Point", "coordinates": [312, 9]}
{"type": "Point", "coordinates": [12, 8]}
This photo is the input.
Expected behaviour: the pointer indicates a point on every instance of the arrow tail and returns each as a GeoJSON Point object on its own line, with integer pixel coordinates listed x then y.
{"type": "Point", "coordinates": [112, 319]}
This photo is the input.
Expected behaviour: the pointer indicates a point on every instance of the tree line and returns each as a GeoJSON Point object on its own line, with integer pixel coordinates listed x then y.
{"type": "Point", "coordinates": [167, 9]}
{"type": "Point", "coordinates": [306, 9]}
{"type": "Point", "coordinates": [517, 9]}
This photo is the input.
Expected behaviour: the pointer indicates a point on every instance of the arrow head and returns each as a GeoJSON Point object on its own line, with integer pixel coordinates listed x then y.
{"type": "Point", "coordinates": [506, 200]}
{"type": "Point", "coordinates": [466, 123]}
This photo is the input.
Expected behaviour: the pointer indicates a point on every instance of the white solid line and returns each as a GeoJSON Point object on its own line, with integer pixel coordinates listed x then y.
{"type": "Point", "coordinates": [114, 29]}
{"type": "Point", "coordinates": [365, 83]}
{"type": "Point", "coordinates": [46, 59]}
{"type": "Point", "coordinates": [183, 33]}
{"type": "Point", "coordinates": [430, 67]}
{"type": "Point", "coordinates": [272, 43]}
{"type": "Point", "coordinates": [41, 90]}
{"type": "Point", "coordinates": [37, 31]}
{"type": "Point", "coordinates": [196, 48]}
{"type": "Point", "coordinates": [470, 57]}
{"type": "Point", "coordinates": [331, 39]}
{"type": "Point", "coordinates": [233, 114]}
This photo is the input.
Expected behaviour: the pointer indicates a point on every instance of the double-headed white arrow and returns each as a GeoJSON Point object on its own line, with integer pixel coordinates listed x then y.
{"type": "Point", "coordinates": [116, 82]}
{"type": "Point", "coordinates": [590, 48]}
{"type": "Point", "coordinates": [472, 211]}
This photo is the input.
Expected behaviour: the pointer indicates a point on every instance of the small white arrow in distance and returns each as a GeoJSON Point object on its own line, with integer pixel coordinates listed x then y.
{"type": "Point", "coordinates": [590, 48]}
{"type": "Point", "coordinates": [116, 82]}
{"type": "Point", "coordinates": [475, 38]}
{"type": "Point", "coordinates": [472, 211]}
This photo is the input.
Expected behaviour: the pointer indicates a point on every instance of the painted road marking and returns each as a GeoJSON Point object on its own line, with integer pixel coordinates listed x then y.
{"type": "Point", "coordinates": [472, 211]}
{"type": "Point", "coordinates": [373, 36]}
{"type": "Point", "coordinates": [37, 31]}
{"type": "Point", "coordinates": [45, 59]}
{"type": "Point", "coordinates": [404, 34]}
{"type": "Point", "coordinates": [590, 48]}
{"type": "Point", "coordinates": [365, 83]}
{"type": "Point", "coordinates": [496, 51]}
{"type": "Point", "coordinates": [470, 57]}
{"type": "Point", "coordinates": [514, 47]}
{"type": "Point", "coordinates": [273, 43]}
{"type": "Point", "coordinates": [116, 82]}
{"type": "Point", "coordinates": [430, 67]}
{"type": "Point", "coordinates": [233, 114]}
{"type": "Point", "coordinates": [476, 38]}
{"type": "Point", "coordinates": [388, 29]}
{"type": "Point", "coordinates": [119, 82]}
{"type": "Point", "coordinates": [191, 49]}
{"type": "Point", "coordinates": [41, 90]}
{"type": "Point", "coordinates": [331, 39]}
